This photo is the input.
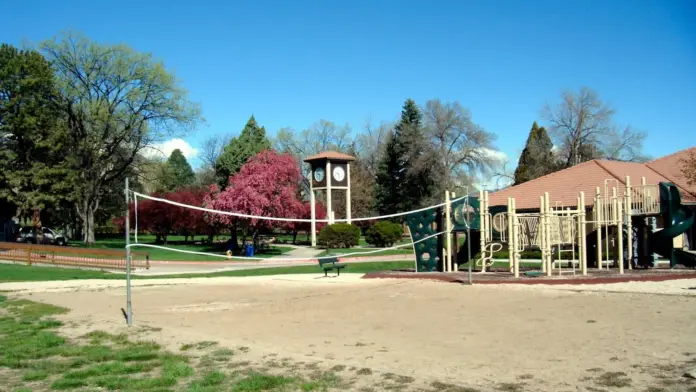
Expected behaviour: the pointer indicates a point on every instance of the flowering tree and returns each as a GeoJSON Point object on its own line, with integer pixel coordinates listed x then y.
{"type": "Point", "coordinates": [157, 217]}
{"type": "Point", "coordinates": [189, 222]}
{"type": "Point", "coordinates": [304, 211]}
{"type": "Point", "coordinates": [163, 219]}
{"type": "Point", "coordinates": [265, 186]}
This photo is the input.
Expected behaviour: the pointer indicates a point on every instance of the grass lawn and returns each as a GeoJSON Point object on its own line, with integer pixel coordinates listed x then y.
{"type": "Point", "coordinates": [23, 273]}
{"type": "Point", "coordinates": [35, 357]}
{"type": "Point", "coordinates": [176, 242]}
{"type": "Point", "coordinates": [370, 251]}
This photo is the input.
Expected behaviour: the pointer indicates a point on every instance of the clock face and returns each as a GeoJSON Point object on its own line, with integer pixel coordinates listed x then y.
{"type": "Point", "coordinates": [319, 174]}
{"type": "Point", "coordinates": [339, 174]}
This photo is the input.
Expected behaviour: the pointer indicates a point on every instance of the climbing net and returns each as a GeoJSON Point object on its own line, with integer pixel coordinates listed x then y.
{"type": "Point", "coordinates": [213, 212]}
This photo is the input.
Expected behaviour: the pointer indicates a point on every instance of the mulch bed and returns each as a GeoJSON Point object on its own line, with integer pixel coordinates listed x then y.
{"type": "Point", "coordinates": [504, 277]}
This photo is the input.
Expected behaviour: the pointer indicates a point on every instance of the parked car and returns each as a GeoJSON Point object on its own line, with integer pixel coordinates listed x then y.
{"type": "Point", "coordinates": [46, 236]}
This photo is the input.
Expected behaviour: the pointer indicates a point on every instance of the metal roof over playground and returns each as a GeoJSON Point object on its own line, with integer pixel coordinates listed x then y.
{"type": "Point", "coordinates": [564, 186]}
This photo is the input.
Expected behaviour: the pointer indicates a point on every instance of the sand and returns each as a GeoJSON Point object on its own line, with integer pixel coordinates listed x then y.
{"type": "Point", "coordinates": [540, 338]}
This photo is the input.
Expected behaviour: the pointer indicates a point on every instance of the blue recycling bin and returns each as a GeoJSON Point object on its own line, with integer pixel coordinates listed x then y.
{"type": "Point", "coordinates": [249, 250]}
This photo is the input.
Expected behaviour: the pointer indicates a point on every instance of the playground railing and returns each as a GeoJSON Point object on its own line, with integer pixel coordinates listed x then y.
{"type": "Point", "coordinates": [529, 230]}
{"type": "Point", "coordinates": [645, 200]}
{"type": "Point", "coordinates": [110, 259]}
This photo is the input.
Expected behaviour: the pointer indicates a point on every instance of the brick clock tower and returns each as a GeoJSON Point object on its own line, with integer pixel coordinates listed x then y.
{"type": "Point", "coordinates": [330, 171]}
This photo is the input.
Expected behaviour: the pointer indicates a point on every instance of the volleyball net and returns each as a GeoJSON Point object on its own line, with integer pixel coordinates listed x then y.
{"type": "Point", "coordinates": [183, 210]}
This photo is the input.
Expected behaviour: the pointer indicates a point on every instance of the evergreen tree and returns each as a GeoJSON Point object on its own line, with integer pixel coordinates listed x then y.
{"type": "Point", "coordinates": [537, 158]}
{"type": "Point", "coordinates": [35, 173]}
{"type": "Point", "coordinates": [405, 173]}
{"type": "Point", "coordinates": [250, 142]}
{"type": "Point", "coordinates": [389, 180]}
{"type": "Point", "coordinates": [177, 172]}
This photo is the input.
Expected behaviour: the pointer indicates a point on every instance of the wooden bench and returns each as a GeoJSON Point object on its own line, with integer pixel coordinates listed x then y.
{"type": "Point", "coordinates": [331, 265]}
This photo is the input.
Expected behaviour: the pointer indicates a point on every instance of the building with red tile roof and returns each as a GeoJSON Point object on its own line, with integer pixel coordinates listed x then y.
{"type": "Point", "coordinates": [564, 186]}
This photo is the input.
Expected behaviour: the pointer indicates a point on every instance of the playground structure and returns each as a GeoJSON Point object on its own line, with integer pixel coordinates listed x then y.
{"type": "Point", "coordinates": [618, 229]}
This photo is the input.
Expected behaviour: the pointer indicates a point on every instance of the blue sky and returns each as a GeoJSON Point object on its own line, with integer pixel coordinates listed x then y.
{"type": "Point", "coordinates": [292, 63]}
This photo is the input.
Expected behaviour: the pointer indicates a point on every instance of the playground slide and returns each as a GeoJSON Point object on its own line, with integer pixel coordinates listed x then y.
{"type": "Point", "coordinates": [677, 220]}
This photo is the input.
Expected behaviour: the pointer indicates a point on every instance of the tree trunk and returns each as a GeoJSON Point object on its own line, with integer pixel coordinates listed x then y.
{"type": "Point", "coordinates": [294, 237]}
{"type": "Point", "coordinates": [254, 239]}
{"type": "Point", "coordinates": [85, 210]}
{"type": "Point", "coordinates": [88, 225]}
{"type": "Point", "coordinates": [233, 238]}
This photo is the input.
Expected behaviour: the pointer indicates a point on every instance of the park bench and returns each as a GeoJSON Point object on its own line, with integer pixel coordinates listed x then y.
{"type": "Point", "coordinates": [331, 265]}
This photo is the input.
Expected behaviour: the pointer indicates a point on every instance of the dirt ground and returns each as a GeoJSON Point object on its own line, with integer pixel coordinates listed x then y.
{"type": "Point", "coordinates": [488, 337]}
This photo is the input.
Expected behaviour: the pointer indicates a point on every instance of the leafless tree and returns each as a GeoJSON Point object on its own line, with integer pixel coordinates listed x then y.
{"type": "Point", "coordinates": [369, 145]}
{"type": "Point", "coordinates": [624, 145]}
{"type": "Point", "coordinates": [582, 128]}
{"type": "Point", "coordinates": [321, 136]}
{"type": "Point", "coordinates": [212, 148]}
{"type": "Point", "coordinates": [688, 167]}
{"type": "Point", "coordinates": [464, 149]}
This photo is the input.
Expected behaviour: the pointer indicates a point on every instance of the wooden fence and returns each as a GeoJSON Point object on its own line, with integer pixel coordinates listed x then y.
{"type": "Point", "coordinates": [68, 256]}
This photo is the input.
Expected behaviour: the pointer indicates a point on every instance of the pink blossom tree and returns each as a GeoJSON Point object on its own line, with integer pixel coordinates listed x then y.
{"type": "Point", "coordinates": [265, 186]}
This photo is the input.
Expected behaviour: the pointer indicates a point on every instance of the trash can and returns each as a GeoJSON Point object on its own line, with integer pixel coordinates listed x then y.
{"type": "Point", "coordinates": [249, 250]}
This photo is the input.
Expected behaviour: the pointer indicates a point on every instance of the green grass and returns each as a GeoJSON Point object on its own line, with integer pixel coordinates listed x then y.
{"type": "Point", "coordinates": [370, 251]}
{"type": "Point", "coordinates": [23, 273]}
{"type": "Point", "coordinates": [31, 349]}
{"type": "Point", "coordinates": [175, 242]}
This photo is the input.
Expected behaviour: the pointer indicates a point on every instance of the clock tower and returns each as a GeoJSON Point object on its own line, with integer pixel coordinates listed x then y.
{"type": "Point", "coordinates": [329, 171]}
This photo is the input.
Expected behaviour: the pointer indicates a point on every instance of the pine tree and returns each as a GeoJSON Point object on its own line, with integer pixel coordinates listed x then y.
{"type": "Point", "coordinates": [250, 142]}
{"type": "Point", "coordinates": [178, 172]}
{"type": "Point", "coordinates": [35, 172]}
{"type": "Point", "coordinates": [389, 179]}
{"type": "Point", "coordinates": [405, 173]}
{"type": "Point", "coordinates": [537, 158]}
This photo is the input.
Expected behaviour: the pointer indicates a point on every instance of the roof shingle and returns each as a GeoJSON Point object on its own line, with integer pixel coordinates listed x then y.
{"type": "Point", "coordinates": [564, 186]}
{"type": "Point", "coordinates": [330, 155]}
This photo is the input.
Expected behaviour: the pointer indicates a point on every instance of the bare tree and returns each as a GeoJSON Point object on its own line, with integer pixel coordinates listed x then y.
{"type": "Point", "coordinates": [212, 148]}
{"type": "Point", "coordinates": [369, 145]}
{"type": "Point", "coordinates": [624, 145]}
{"type": "Point", "coordinates": [688, 167]}
{"type": "Point", "coordinates": [583, 129]}
{"type": "Point", "coordinates": [464, 149]}
{"type": "Point", "coordinates": [321, 136]}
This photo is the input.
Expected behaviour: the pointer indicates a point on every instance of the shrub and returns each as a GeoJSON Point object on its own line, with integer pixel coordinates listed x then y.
{"type": "Point", "coordinates": [383, 234]}
{"type": "Point", "coordinates": [339, 235]}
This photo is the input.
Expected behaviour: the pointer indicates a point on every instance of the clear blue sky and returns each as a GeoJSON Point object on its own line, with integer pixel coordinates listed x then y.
{"type": "Point", "coordinates": [291, 63]}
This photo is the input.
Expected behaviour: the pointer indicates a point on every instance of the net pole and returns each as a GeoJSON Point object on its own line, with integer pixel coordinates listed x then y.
{"type": "Point", "coordinates": [129, 305]}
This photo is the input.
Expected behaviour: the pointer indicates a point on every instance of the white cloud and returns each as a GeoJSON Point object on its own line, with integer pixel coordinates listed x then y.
{"type": "Point", "coordinates": [495, 154]}
{"type": "Point", "coordinates": [164, 149]}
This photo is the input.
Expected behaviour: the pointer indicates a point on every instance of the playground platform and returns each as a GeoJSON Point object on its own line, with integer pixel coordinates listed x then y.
{"type": "Point", "coordinates": [504, 277]}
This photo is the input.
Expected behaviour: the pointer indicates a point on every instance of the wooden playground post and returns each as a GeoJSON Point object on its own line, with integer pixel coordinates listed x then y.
{"type": "Point", "coordinates": [482, 220]}
{"type": "Point", "coordinates": [619, 230]}
{"type": "Point", "coordinates": [549, 242]}
{"type": "Point", "coordinates": [628, 210]}
{"type": "Point", "coordinates": [514, 239]}
{"type": "Point", "coordinates": [598, 225]}
{"type": "Point", "coordinates": [454, 248]}
{"type": "Point", "coordinates": [644, 195]}
{"type": "Point", "coordinates": [448, 234]}
{"type": "Point", "coordinates": [511, 256]}
{"type": "Point", "coordinates": [541, 233]}
{"type": "Point", "coordinates": [582, 241]}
